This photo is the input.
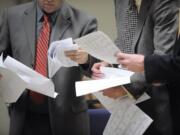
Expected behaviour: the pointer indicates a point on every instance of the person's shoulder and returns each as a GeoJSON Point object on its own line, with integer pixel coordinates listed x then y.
{"type": "Point", "coordinates": [19, 9]}
{"type": "Point", "coordinates": [164, 2]}
{"type": "Point", "coordinates": [76, 14]}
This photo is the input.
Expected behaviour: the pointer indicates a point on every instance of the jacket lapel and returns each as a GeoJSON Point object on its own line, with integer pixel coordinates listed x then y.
{"type": "Point", "coordinates": [63, 22]}
{"type": "Point", "coordinates": [29, 19]}
{"type": "Point", "coordinates": [143, 14]}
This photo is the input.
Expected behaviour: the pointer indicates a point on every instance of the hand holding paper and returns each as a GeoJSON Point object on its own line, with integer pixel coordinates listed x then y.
{"type": "Point", "coordinates": [80, 56]}
{"type": "Point", "coordinates": [132, 62]}
{"type": "Point", "coordinates": [100, 46]}
{"type": "Point", "coordinates": [112, 77]}
{"type": "Point", "coordinates": [96, 72]}
{"type": "Point", "coordinates": [57, 57]}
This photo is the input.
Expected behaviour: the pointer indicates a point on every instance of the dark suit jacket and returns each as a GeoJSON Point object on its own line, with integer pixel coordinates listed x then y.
{"type": "Point", "coordinates": [155, 34]}
{"type": "Point", "coordinates": [163, 68]}
{"type": "Point", "coordinates": [68, 114]}
{"type": "Point", "coordinates": [166, 69]}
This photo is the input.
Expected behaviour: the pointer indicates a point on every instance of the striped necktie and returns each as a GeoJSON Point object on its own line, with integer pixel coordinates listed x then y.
{"type": "Point", "coordinates": [41, 56]}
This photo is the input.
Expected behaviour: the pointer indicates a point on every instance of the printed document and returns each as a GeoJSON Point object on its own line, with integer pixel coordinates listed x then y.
{"type": "Point", "coordinates": [99, 45]}
{"type": "Point", "coordinates": [126, 118]}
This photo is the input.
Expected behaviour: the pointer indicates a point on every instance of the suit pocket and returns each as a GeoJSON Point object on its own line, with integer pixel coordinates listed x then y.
{"type": "Point", "coordinates": [79, 105]}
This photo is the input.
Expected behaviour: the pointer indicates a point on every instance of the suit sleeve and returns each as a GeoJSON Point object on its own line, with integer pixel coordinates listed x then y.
{"type": "Point", "coordinates": [165, 26]}
{"type": "Point", "coordinates": [165, 68]}
{"type": "Point", "coordinates": [164, 18]}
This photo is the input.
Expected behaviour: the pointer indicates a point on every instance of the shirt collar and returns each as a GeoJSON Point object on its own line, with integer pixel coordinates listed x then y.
{"type": "Point", "coordinates": [40, 15]}
{"type": "Point", "coordinates": [138, 4]}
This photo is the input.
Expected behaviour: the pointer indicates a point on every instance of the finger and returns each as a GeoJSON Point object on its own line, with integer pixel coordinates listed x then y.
{"type": "Point", "coordinates": [97, 76]}
{"type": "Point", "coordinates": [96, 68]}
{"type": "Point", "coordinates": [122, 56]}
{"type": "Point", "coordinates": [107, 93]}
{"type": "Point", "coordinates": [123, 61]}
{"type": "Point", "coordinates": [71, 52]}
{"type": "Point", "coordinates": [117, 53]}
{"type": "Point", "coordinates": [70, 55]}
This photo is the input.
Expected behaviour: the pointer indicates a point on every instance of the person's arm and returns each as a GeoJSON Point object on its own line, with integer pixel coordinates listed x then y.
{"type": "Point", "coordinates": [157, 68]}
{"type": "Point", "coordinates": [164, 68]}
{"type": "Point", "coordinates": [165, 29]}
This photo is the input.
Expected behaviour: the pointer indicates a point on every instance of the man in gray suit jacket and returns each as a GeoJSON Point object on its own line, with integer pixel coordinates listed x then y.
{"type": "Point", "coordinates": [67, 114]}
{"type": "Point", "coordinates": [155, 33]}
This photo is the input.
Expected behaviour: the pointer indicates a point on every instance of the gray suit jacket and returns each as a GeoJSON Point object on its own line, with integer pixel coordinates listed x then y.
{"type": "Point", "coordinates": [155, 34]}
{"type": "Point", "coordinates": [68, 114]}
{"type": "Point", "coordinates": [8, 3]}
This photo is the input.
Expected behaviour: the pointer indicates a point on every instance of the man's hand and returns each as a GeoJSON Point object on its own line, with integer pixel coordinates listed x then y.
{"type": "Point", "coordinates": [132, 62]}
{"type": "Point", "coordinates": [115, 92]}
{"type": "Point", "coordinates": [79, 56]}
{"type": "Point", "coordinates": [96, 73]}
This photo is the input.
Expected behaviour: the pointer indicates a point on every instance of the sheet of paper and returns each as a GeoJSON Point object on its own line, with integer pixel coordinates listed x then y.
{"type": "Point", "coordinates": [11, 86]}
{"type": "Point", "coordinates": [36, 82]}
{"type": "Point", "coordinates": [17, 77]}
{"type": "Point", "coordinates": [127, 119]}
{"type": "Point", "coordinates": [113, 77]}
{"type": "Point", "coordinates": [125, 115]}
{"type": "Point", "coordinates": [99, 45]}
{"type": "Point", "coordinates": [56, 56]}
{"type": "Point", "coordinates": [111, 104]}
{"type": "Point", "coordinates": [91, 86]}
{"type": "Point", "coordinates": [110, 72]}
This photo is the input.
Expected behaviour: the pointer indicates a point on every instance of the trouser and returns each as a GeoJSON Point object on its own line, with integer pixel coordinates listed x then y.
{"type": "Point", "coordinates": [37, 124]}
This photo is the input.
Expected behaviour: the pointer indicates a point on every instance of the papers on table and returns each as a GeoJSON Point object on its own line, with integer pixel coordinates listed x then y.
{"type": "Point", "coordinates": [17, 77]}
{"type": "Point", "coordinates": [57, 58]}
{"type": "Point", "coordinates": [100, 46]}
{"type": "Point", "coordinates": [113, 77]}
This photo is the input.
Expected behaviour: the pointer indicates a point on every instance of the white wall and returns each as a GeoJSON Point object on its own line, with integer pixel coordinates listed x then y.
{"type": "Point", "coordinates": [103, 10]}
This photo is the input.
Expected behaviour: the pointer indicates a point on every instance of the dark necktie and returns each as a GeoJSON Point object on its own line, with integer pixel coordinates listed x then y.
{"type": "Point", "coordinates": [41, 56]}
{"type": "Point", "coordinates": [130, 24]}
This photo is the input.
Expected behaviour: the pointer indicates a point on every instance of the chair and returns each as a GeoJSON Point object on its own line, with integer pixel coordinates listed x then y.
{"type": "Point", "coordinates": [98, 120]}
